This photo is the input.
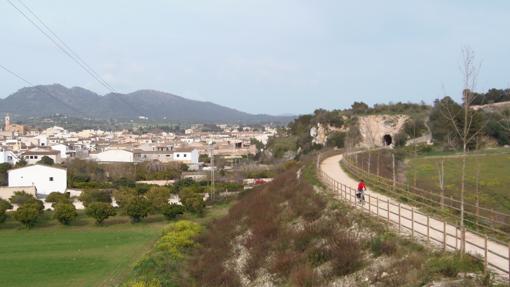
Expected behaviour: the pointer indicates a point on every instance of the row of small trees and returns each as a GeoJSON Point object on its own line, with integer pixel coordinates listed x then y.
{"type": "Point", "coordinates": [135, 203]}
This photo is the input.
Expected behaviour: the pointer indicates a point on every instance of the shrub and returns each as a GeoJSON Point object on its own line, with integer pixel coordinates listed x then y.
{"type": "Point", "coordinates": [451, 265]}
{"type": "Point", "coordinates": [158, 198]}
{"type": "Point", "coordinates": [100, 211]}
{"type": "Point", "coordinates": [57, 197]}
{"type": "Point", "coordinates": [336, 139]}
{"type": "Point", "coordinates": [400, 139]}
{"type": "Point", "coordinates": [123, 196]}
{"type": "Point", "coordinates": [171, 211]}
{"type": "Point", "coordinates": [21, 197]}
{"type": "Point", "coordinates": [383, 244]}
{"type": "Point", "coordinates": [124, 182]}
{"type": "Point", "coordinates": [192, 202]}
{"type": "Point", "coordinates": [304, 276]}
{"type": "Point", "coordinates": [27, 214]}
{"type": "Point", "coordinates": [95, 195]}
{"type": "Point", "coordinates": [3, 215]}
{"type": "Point", "coordinates": [4, 204]}
{"type": "Point", "coordinates": [64, 212]}
{"type": "Point", "coordinates": [345, 253]}
{"type": "Point", "coordinates": [178, 237]}
{"type": "Point", "coordinates": [46, 160]}
{"type": "Point", "coordinates": [138, 208]}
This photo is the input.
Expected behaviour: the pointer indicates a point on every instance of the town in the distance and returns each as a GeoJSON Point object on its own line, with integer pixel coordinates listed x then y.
{"type": "Point", "coordinates": [38, 156]}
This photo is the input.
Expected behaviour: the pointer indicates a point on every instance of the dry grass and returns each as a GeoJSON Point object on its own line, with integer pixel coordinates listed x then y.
{"type": "Point", "coordinates": [289, 237]}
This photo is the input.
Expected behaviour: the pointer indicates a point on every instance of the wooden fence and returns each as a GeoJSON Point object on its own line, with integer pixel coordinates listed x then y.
{"type": "Point", "coordinates": [476, 217]}
{"type": "Point", "coordinates": [440, 233]}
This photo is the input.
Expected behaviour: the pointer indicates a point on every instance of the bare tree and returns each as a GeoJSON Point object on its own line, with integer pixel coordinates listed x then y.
{"type": "Point", "coordinates": [440, 170]}
{"type": "Point", "coordinates": [477, 191]}
{"type": "Point", "coordinates": [464, 129]}
{"type": "Point", "coordinates": [504, 122]}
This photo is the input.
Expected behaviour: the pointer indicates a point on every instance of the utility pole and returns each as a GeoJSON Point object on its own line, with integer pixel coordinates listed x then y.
{"type": "Point", "coordinates": [394, 171]}
{"type": "Point", "coordinates": [211, 152]}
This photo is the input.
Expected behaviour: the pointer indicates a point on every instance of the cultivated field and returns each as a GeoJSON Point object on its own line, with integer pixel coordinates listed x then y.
{"type": "Point", "coordinates": [493, 180]}
{"type": "Point", "coordinates": [78, 255]}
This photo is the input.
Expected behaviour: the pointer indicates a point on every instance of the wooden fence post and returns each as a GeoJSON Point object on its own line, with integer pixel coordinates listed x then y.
{"type": "Point", "coordinates": [399, 225]}
{"type": "Point", "coordinates": [428, 229]}
{"type": "Point", "coordinates": [456, 237]}
{"type": "Point", "coordinates": [412, 222]}
{"type": "Point", "coordinates": [444, 236]}
{"type": "Point", "coordinates": [369, 204]}
{"type": "Point", "coordinates": [394, 172]}
{"type": "Point", "coordinates": [388, 209]}
{"type": "Point", "coordinates": [485, 258]}
{"type": "Point", "coordinates": [377, 205]}
{"type": "Point", "coordinates": [463, 242]}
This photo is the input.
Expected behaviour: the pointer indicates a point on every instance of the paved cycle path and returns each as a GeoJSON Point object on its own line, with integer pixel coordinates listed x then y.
{"type": "Point", "coordinates": [331, 167]}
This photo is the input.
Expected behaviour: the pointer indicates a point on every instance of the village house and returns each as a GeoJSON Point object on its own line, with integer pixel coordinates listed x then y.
{"type": "Point", "coordinates": [113, 155]}
{"type": "Point", "coordinates": [162, 156]}
{"type": "Point", "coordinates": [186, 155]}
{"type": "Point", "coordinates": [9, 157]}
{"type": "Point", "coordinates": [34, 156]}
{"type": "Point", "coordinates": [45, 179]}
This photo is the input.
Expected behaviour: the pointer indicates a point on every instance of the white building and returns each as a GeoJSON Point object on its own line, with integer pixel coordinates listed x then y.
{"type": "Point", "coordinates": [46, 179]}
{"type": "Point", "coordinates": [62, 148]}
{"type": "Point", "coordinates": [186, 155]}
{"type": "Point", "coordinates": [8, 157]}
{"type": "Point", "coordinates": [34, 156]}
{"type": "Point", "coordinates": [113, 155]}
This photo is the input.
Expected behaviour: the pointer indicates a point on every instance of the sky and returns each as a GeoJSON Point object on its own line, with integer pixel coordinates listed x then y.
{"type": "Point", "coordinates": [262, 56]}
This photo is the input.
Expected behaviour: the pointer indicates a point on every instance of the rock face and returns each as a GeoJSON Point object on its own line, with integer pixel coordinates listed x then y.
{"type": "Point", "coordinates": [320, 133]}
{"type": "Point", "coordinates": [379, 130]}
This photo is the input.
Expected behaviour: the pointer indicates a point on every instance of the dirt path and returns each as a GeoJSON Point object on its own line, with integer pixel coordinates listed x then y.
{"type": "Point", "coordinates": [383, 206]}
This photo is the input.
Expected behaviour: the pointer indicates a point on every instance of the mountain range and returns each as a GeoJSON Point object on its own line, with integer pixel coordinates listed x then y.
{"type": "Point", "coordinates": [46, 100]}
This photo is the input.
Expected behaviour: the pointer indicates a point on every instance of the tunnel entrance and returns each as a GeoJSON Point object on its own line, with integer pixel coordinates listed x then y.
{"type": "Point", "coordinates": [387, 140]}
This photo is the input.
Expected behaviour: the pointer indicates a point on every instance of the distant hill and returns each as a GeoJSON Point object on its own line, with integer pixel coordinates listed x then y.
{"type": "Point", "coordinates": [39, 101]}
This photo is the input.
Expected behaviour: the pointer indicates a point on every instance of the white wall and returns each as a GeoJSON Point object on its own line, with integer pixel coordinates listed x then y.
{"type": "Point", "coordinates": [8, 157]}
{"type": "Point", "coordinates": [45, 178]}
{"type": "Point", "coordinates": [114, 155]}
{"type": "Point", "coordinates": [187, 157]}
{"type": "Point", "coordinates": [37, 158]}
{"type": "Point", "coordinates": [62, 149]}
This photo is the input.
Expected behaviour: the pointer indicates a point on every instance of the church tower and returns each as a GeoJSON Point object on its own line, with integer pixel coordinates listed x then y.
{"type": "Point", "coordinates": [7, 122]}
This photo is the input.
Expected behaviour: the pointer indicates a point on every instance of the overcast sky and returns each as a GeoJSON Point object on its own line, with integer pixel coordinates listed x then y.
{"type": "Point", "coordinates": [262, 56]}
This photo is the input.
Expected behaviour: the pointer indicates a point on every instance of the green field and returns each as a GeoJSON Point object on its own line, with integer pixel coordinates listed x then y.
{"type": "Point", "coordinates": [494, 180]}
{"type": "Point", "coordinates": [78, 255]}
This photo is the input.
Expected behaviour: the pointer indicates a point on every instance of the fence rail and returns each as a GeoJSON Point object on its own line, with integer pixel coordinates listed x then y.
{"type": "Point", "coordinates": [444, 235]}
{"type": "Point", "coordinates": [478, 217]}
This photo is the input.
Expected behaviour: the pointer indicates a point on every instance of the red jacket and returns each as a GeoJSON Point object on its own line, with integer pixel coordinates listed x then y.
{"type": "Point", "coordinates": [361, 186]}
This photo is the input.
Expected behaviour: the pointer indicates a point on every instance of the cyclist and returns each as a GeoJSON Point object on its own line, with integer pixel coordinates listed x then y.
{"type": "Point", "coordinates": [360, 194]}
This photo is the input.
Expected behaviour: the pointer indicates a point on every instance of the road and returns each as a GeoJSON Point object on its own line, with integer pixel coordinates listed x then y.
{"type": "Point", "coordinates": [410, 219]}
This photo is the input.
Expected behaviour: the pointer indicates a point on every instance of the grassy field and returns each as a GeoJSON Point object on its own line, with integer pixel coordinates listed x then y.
{"type": "Point", "coordinates": [78, 255]}
{"type": "Point", "coordinates": [493, 166]}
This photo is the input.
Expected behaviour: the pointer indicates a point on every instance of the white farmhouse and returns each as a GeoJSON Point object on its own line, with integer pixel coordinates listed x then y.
{"type": "Point", "coordinates": [186, 155]}
{"type": "Point", "coordinates": [46, 179]}
{"type": "Point", "coordinates": [113, 155]}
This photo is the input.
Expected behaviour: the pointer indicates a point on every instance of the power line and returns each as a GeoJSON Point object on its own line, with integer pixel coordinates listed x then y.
{"type": "Point", "coordinates": [38, 88]}
{"type": "Point", "coordinates": [62, 46]}
{"type": "Point", "coordinates": [65, 45]}
{"type": "Point", "coordinates": [15, 75]}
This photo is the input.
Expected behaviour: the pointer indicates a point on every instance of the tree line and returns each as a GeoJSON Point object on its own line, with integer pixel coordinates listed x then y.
{"type": "Point", "coordinates": [135, 202]}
